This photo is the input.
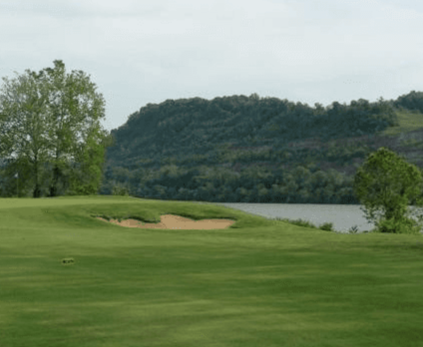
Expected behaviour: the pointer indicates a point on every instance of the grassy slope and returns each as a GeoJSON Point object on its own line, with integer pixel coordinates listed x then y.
{"type": "Point", "coordinates": [408, 121]}
{"type": "Point", "coordinates": [259, 283]}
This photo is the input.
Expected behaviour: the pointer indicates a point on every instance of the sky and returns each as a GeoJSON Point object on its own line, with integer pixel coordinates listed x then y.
{"type": "Point", "coordinates": [139, 52]}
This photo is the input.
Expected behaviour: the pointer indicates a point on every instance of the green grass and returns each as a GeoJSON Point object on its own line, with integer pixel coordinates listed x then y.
{"type": "Point", "coordinates": [324, 226]}
{"type": "Point", "coordinates": [260, 282]}
{"type": "Point", "coordinates": [408, 121]}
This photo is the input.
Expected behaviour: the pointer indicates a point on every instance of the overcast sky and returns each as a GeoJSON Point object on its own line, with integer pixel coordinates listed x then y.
{"type": "Point", "coordinates": [139, 52]}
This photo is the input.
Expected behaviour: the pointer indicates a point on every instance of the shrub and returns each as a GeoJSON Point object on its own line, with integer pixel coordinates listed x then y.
{"type": "Point", "coordinates": [402, 226]}
{"type": "Point", "coordinates": [353, 229]}
{"type": "Point", "coordinates": [327, 226]}
{"type": "Point", "coordinates": [120, 190]}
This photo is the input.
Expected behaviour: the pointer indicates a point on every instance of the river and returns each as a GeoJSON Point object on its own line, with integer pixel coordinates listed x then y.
{"type": "Point", "coordinates": [343, 217]}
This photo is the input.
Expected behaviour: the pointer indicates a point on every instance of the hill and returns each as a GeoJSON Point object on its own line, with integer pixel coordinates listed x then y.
{"type": "Point", "coordinates": [252, 149]}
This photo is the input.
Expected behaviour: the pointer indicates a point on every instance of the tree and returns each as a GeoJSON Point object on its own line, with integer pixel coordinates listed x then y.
{"type": "Point", "coordinates": [23, 109]}
{"type": "Point", "coordinates": [56, 110]}
{"type": "Point", "coordinates": [386, 183]}
{"type": "Point", "coordinates": [86, 180]}
{"type": "Point", "coordinates": [75, 111]}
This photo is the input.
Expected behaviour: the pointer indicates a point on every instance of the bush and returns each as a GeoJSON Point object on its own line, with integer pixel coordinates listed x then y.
{"type": "Point", "coordinates": [327, 227]}
{"type": "Point", "coordinates": [353, 229]}
{"type": "Point", "coordinates": [401, 226]}
{"type": "Point", "coordinates": [120, 190]}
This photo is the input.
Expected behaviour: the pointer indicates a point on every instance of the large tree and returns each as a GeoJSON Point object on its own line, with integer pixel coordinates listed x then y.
{"type": "Point", "coordinates": [65, 113]}
{"type": "Point", "coordinates": [23, 110]}
{"type": "Point", "coordinates": [386, 184]}
{"type": "Point", "coordinates": [76, 109]}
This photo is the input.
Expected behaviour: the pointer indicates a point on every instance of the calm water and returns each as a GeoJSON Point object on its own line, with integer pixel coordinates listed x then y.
{"type": "Point", "coordinates": [343, 217]}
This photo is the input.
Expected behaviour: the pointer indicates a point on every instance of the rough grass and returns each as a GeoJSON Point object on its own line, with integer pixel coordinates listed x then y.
{"type": "Point", "coordinates": [408, 121]}
{"type": "Point", "coordinates": [324, 226]}
{"type": "Point", "coordinates": [260, 282]}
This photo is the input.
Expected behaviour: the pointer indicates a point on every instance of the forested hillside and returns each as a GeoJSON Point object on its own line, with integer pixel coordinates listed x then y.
{"type": "Point", "coordinates": [252, 149]}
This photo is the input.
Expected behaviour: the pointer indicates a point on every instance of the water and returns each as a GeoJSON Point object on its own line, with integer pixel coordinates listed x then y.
{"type": "Point", "coordinates": [343, 217]}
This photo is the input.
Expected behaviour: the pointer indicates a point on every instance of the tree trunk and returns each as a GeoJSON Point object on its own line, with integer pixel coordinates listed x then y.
{"type": "Point", "coordinates": [53, 187]}
{"type": "Point", "coordinates": [56, 174]}
{"type": "Point", "coordinates": [37, 191]}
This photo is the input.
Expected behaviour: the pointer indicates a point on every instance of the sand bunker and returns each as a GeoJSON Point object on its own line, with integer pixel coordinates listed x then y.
{"type": "Point", "coordinates": [169, 221]}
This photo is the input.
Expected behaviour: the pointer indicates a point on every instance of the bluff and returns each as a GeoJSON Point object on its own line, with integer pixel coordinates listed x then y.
{"type": "Point", "coordinates": [252, 149]}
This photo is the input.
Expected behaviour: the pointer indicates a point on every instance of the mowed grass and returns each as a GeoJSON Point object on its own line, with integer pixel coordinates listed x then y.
{"type": "Point", "coordinates": [258, 283]}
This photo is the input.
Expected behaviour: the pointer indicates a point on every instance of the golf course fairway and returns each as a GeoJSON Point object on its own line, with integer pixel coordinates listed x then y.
{"type": "Point", "coordinates": [70, 277]}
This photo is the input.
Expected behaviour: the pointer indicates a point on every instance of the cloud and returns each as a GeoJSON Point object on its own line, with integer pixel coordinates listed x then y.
{"type": "Point", "coordinates": [149, 51]}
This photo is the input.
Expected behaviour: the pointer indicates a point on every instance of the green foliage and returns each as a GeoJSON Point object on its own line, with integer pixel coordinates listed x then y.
{"type": "Point", "coordinates": [76, 105]}
{"type": "Point", "coordinates": [298, 222]}
{"type": "Point", "coordinates": [400, 226]}
{"type": "Point", "coordinates": [408, 121]}
{"type": "Point", "coordinates": [120, 190]}
{"type": "Point", "coordinates": [47, 112]}
{"type": "Point", "coordinates": [205, 125]}
{"type": "Point", "coordinates": [327, 226]}
{"type": "Point", "coordinates": [411, 101]}
{"type": "Point", "coordinates": [90, 156]}
{"type": "Point", "coordinates": [198, 134]}
{"type": "Point", "coordinates": [304, 223]}
{"type": "Point", "coordinates": [23, 123]}
{"type": "Point", "coordinates": [387, 182]}
{"type": "Point", "coordinates": [353, 229]}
